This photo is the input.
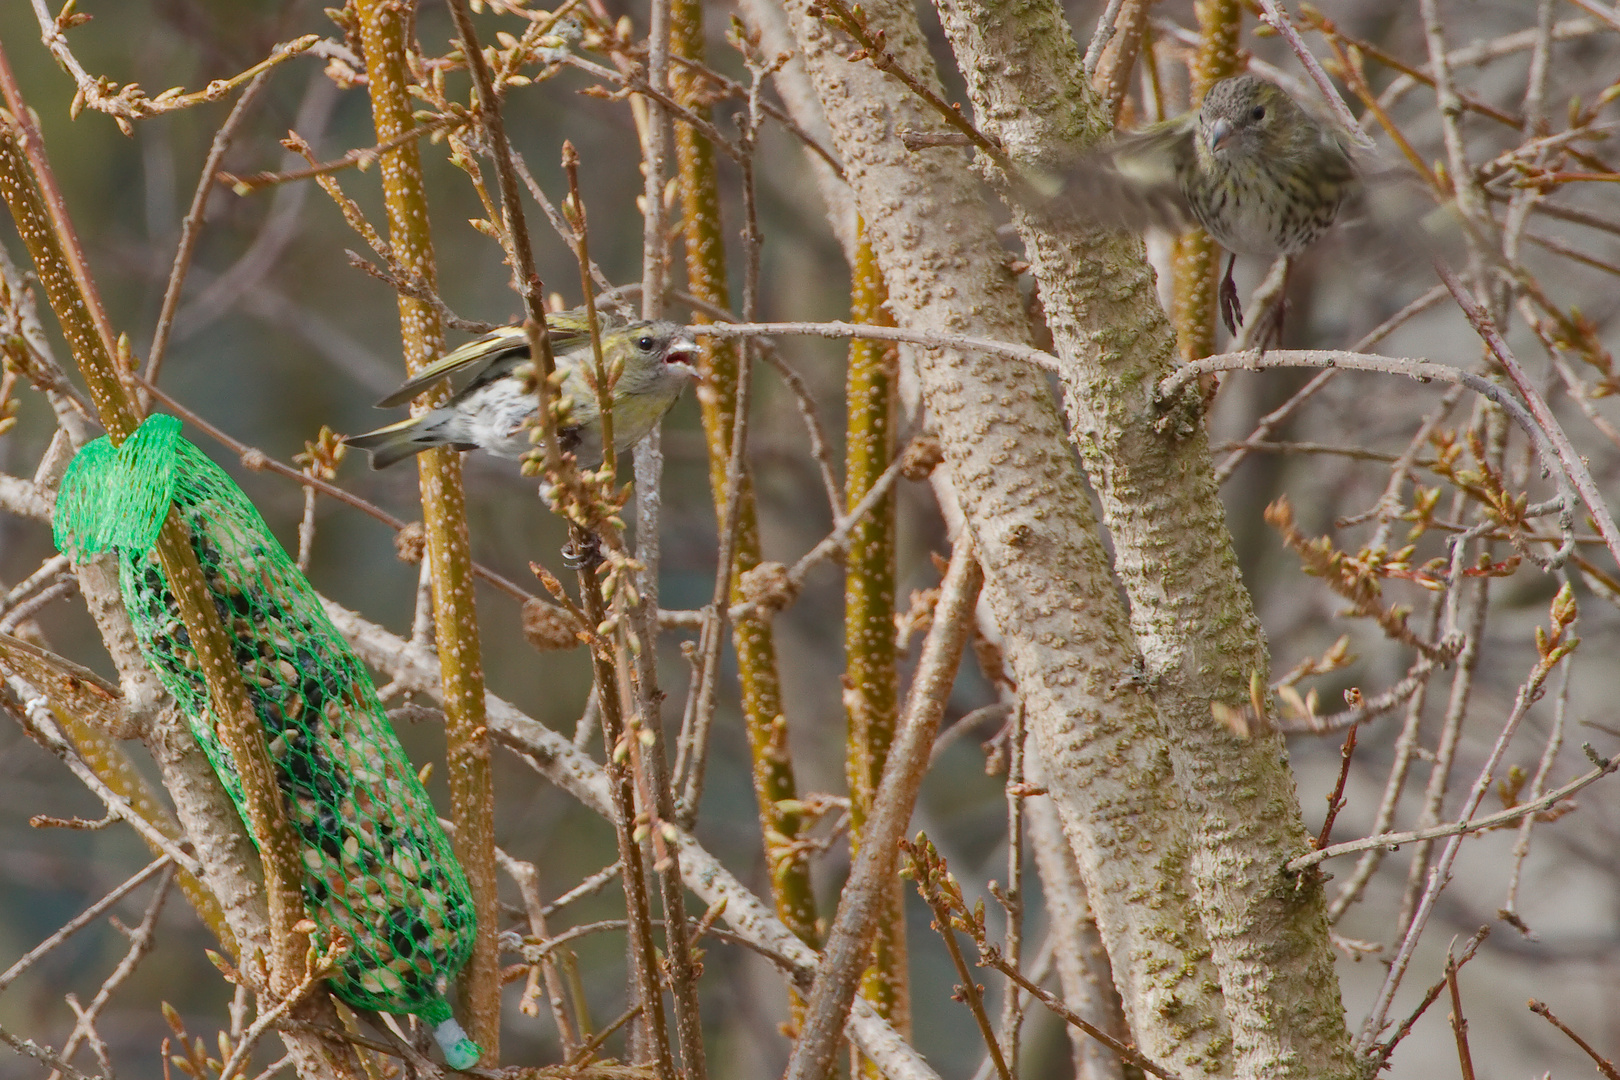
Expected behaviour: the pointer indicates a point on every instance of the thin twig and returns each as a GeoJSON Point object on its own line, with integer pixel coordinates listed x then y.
{"type": "Point", "coordinates": [1125, 1050]}
{"type": "Point", "coordinates": [141, 940]}
{"type": "Point", "coordinates": [127, 103]}
{"type": "Point", "coordinates": [42, 1054]}
{"type": "Point", "coordinates": [844, 956]}
{"type": "Point", "coordinates": [967, 991]}
{"type": "Point", "coordinates": [1604, 1065]}
{"type": "Point", "coordinates": [1574, 466]}
{"type": "Point", "coordinates": [832, 543]}
{"type": "Point", "coordinates": [191, 226]}
{"type": "Point", "coordinates": [1373, 707]}
{"type": "Point", "coordinates": [1273, 16]}
{"type": "Point", "coordinates": [1469, 825]}
{"type": "Point", "coordinates": [528, 883]}
{"type": "Point", "coordinates": [269, 1018]}
{"type": "Point", "coordinates": [1544, 437]}
{"type": "Point", "coordinates": [1376, 1060]}
{"type": "Point", "coordinates": [361, 158]}
{"type": "Point", "coordinates": [81, 920]}
{"type": "Point", "coordinates": [589, 887]}
{"type": "Point", "coordinates": [1101, 36]}
{"type": "Point", "coordinates": [780, 115]}
{"type": "Point", "coordinates": [1440, 873]}
{"type": "Point", "coordinates": [1336, 800]}
{"type": "Point", "coordinates": [1012, 897]}
{"type": "Point", "coordinates": [872, 47]}
{"type": "Point", "coordinates": [1459, 1023]}
{"type": "Point", "coordinates": [1538, 789]}
{"type": "Point", "coordinates": [40, 725]}
{"type": "Point", "coordinates": [37, 603]}
{"type": "Point", "coordinates": [929, 339]}
{"type": "Point", "coordinates": [1274, 419]}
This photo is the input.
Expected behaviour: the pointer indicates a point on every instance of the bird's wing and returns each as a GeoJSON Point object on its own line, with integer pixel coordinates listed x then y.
{"type": "Point", "coordinates": [1392, 213]}
{"type": "Point", "coordinates": [1134, 182]}
{"type": "Point", "coordinates": [483, 354]}
{"type": "Point", "coordinates": [480, 354]}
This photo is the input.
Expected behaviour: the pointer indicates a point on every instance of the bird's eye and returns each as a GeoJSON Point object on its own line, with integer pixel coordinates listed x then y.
{"type": "Point", "coordinates": [1258, 112]}
{"type": "Point", "coordinates": [645, 343]}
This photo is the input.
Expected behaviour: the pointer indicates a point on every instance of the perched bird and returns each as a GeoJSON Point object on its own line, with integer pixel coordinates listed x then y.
{"type": "Point", "coordinates": [1258, 172]}
{"type": "Point", "coordinates": [495, 411]}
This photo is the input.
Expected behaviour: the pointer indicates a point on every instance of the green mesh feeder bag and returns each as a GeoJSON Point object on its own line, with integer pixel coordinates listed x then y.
{"type": "Point", "coordinates": [378, 869]}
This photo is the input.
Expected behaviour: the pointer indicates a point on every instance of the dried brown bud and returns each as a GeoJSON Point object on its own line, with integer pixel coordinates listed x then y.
{"type": "Point", "coordinates": [548, 627]}
{"type": "Point", "coordinates": [410, 543]}
{"type": "Point", "coordinates": [920, 457]}
{"type": "Point", "coordinates": [769, 586]}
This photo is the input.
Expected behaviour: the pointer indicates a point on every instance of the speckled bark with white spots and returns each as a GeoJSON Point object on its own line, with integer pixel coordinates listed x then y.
{"type": "Point", "coordinates": [871, 673]}
{"type": "Point", "coordinates": [384, 29]}
{"type": "Point", "coordinates": [1067, 633]}
{"type": "Point", "coordinates": [753, 637]}
{"type": "Point", "coordinates": [1193, 619]}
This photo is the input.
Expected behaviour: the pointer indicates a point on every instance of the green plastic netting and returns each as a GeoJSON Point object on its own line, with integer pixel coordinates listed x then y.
{"type": "Point", "coordinates": [378, 868]}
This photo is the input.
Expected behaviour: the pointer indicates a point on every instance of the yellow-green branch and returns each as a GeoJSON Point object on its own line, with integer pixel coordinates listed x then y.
{"type": "Point", "coordinates": [774, 783]}
{"type": "Point", "coordinates": [872, 694]}
{"type": "Point", "coordinates": [1197, 257]}
{"type": "Point", "coordinates": [384, 28]}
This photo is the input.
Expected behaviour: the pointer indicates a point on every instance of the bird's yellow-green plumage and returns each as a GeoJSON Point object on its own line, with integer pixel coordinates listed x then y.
{"type": "Point", "coordinates": [648, 363]}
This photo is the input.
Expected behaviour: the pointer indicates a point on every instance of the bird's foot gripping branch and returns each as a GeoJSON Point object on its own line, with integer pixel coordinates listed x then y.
{"type": "Point", "coordinates": [379, 878]}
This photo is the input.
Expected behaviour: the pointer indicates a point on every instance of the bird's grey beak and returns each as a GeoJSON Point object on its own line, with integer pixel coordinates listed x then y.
{"type": "Point", "coordinates": [1218, 134]}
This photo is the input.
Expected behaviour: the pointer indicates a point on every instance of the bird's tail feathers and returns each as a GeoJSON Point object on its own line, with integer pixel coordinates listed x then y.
{"type": "Point", "coordinates": [393, 443]}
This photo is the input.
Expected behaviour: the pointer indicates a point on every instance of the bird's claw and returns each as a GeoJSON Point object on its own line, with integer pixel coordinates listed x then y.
{"type": "Point", "coordinates": [1268, 328]}
{"type": "Point", "coordinates": [582, 553]}
{"type": "Point", "coordinates": [1231, 306]}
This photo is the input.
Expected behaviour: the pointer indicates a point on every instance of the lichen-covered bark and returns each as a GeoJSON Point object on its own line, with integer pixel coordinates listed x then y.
{"type": "Point", "coordinates": [1068, 640]}
{"type": "Point", "coordinates": [1193, 620]}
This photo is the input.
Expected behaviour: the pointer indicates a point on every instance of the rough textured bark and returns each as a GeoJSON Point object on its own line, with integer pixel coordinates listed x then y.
{"type": "Point", "coordinates": [1068, 640]}
{"type": "Point", "coordinates": [1193, 619]}
{"type": "Point", "coordinates": [1077, 949]}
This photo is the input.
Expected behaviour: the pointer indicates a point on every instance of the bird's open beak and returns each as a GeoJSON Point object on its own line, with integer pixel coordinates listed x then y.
{"type": "Point", "coordinates": [1219, 133]}
{"type": "Point", "coordinates": [683, 353]}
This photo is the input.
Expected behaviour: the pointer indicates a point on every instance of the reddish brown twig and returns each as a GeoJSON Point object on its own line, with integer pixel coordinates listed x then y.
{"type": "Point", "coordinates": [1604, 1065]}
{"type": "Point", "coordinates": [1336, 800]}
